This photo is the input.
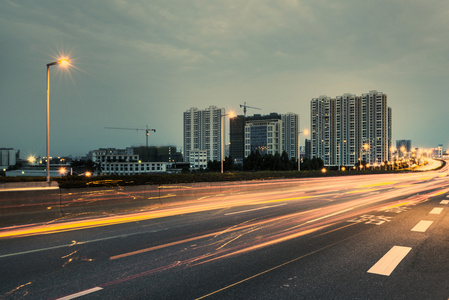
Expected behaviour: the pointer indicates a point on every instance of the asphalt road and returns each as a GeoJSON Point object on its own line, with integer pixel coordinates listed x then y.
{"type": "Point", "coordinates": [358, 237]}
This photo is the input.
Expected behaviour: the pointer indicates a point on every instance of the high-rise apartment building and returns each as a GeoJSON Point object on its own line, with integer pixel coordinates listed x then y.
{"type": "Point", "coordinates": [322, 137]}
{"type": "Point", "coordinates": [202, 131]}
{"type": "Point", "coordinates": [403, 147]}
{"type": "Point", "coordinates": [307, 149]}
{"type": "Point", "coordinates": [237, 138]}
{"type": "Point", "coordinates": [290, 129]}
{"type": "Point", "coordinates": [349, 128]}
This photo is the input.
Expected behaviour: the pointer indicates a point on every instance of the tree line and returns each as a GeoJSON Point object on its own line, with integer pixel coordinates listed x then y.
{"type": "Point", "coordinates": [267, 162]}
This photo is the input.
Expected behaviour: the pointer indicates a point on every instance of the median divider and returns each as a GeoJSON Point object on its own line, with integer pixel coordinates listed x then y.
{"type": "Point", "coordinates": [25, 203]}
{"type": "Point", "coordinates": [31, 202]}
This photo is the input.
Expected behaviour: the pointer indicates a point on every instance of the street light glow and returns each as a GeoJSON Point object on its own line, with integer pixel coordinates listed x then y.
{"type": "Point", "coordinates": [64, 62]}
{"type": "Point", "coordinates": [31, 159]}
{"type": "Point", "coordinates": [62, 171]}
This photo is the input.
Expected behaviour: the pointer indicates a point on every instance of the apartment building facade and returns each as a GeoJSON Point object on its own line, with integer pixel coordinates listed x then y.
{"type": "Point", "coordinates": [202, 131]}
{"type": "Point", "coordinates": [272, 133]}
{"type": "Point", "coordinates": [263, 136]}
{"type": "Point", "coordinates": [290, 129]}
{"type": "Point", "coordinates": [125, 164]}
{"type": "Point", "coordinates": [349, 128]}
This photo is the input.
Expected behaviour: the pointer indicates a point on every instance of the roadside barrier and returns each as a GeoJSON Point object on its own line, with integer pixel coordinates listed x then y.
{"type": "Point", "coordinates": [26, 203]}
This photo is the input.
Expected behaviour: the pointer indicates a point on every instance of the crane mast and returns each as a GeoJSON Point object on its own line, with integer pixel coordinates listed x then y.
{"type": "Point", "coordinates": [246, 107]}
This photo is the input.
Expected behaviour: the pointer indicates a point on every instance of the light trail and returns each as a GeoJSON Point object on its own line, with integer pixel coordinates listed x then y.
{"type": "Point", "coordinates": [254, 209]}
{"type": "Point", "coordinates": [309, 211]}
{"type": "Point", "coordinates": [213, 203]}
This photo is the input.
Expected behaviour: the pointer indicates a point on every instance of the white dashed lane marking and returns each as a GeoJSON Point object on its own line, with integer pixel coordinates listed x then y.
{"type": "Point", "coordinates": [422, 226]}
{"type": "Point", "coordinates": [444, 202]}
{"type": "Point", "coordinates": [436, 210]}
{"type": "Point", "coordinates": [80, 294]}
{"type": "Point", "coordinates": [389, 262]}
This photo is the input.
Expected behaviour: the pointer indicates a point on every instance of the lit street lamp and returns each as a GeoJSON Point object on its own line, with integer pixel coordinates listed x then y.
{"type": "Point", "coordinates": [230, 115]}
{"type": "Point", "coordinates": [305, 132]}
{"type": "Point", "coordinates": [65, 63]}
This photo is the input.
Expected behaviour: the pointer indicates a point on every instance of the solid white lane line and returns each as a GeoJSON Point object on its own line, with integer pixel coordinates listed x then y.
{"type": "Point", "coordinates": [444, 202]}
{"type": "Point", "coordinates": [83, 293]}
{"type": "Point", "coordinates": [422, 226]}
{"type": "Point", "coordinates": [436, 210]}
{"type": "Point", "coordinates": [390, 261]}
{"type": "Point", "coordinates": [259, 208]}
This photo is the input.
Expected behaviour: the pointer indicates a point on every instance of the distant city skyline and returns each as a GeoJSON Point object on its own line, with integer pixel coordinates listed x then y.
{"type": "Point", "coordinates": [140, 63]}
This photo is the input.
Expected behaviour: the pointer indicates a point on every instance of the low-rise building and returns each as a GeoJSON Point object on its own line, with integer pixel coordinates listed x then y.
{"type": "Point", "coordinates": [94, 155]}
{"type": "Point", "coordinates": [198, 159]}
{"type": "Point", "coordinates": [123, 164]}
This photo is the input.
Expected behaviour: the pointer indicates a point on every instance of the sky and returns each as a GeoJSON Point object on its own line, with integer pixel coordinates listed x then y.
{"type": "Point", "coordinates": [143, 63]}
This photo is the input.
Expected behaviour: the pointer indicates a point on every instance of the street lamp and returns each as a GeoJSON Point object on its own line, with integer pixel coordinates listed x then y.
{"type": "Point", "coordinates": [65, 63]}
{"type": "Point", "coordinates": [305, 132]}
{"type": "Point", "coordinates": [230, 115]}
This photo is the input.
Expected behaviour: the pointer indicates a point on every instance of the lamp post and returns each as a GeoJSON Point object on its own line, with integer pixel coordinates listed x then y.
{"type": "Point", "coordinates": [305, 132]}
{"type": "Point", "coordinates": [63, 62]}
{"type": "Point", "coordinates": [231, 115]}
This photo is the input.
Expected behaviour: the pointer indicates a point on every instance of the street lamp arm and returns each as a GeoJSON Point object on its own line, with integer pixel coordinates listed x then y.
{"type": "Point", "coordinates": [63, 61]}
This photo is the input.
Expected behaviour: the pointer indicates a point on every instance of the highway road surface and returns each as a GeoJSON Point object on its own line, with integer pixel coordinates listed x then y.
{"type": "Point", "coordinates": [351, 237]}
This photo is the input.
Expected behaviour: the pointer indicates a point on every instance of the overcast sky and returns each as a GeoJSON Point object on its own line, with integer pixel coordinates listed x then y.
{"type": "Point", "coordinates": [139, 63]}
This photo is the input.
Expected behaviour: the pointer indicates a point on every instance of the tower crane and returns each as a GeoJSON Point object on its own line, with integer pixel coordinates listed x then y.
{"type": "Point", "coordinates": [147, 132]}
{"type": "Point", "coordinates": [246, 106]}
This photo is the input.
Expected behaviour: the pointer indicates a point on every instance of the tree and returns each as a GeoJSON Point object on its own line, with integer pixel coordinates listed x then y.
{"type": "Point", "coordinates": [228, 163]}
{"type": "Point", "coordinates": [285, 161]}
{"type": "Point", "coordinates": [214, 166]}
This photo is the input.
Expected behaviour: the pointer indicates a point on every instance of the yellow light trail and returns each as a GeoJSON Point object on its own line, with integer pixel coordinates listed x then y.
{"type": "Point", "coordinates": [439, 193]}
{"type": "Point", "coordinates": [377, 184]}
{"type": "Point", "coordinates": [396, 205]}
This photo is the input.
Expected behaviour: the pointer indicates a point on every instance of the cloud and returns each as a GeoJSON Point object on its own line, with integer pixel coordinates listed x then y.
{"type": "Point", "coordinates": [140, 61]}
